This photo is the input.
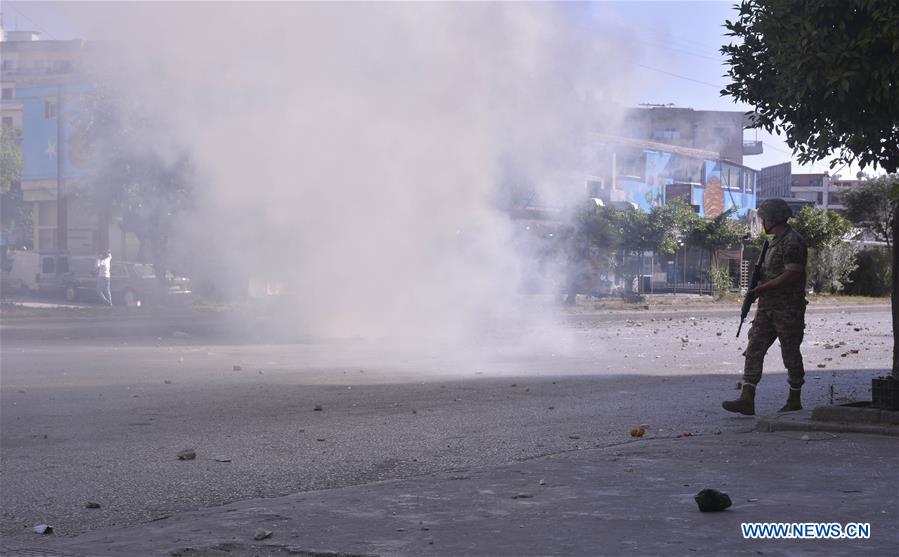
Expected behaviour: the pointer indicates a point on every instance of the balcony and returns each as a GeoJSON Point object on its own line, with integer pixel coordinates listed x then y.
{"type": "Point", "coordinates": [752, 148]}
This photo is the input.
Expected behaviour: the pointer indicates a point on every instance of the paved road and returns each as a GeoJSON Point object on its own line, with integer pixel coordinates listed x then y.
{"type": "Point", "coordinates": [93, 413]}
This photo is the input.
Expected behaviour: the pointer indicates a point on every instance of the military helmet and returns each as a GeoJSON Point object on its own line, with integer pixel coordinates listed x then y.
{"type": "Point", "coordinates": [775, 210]}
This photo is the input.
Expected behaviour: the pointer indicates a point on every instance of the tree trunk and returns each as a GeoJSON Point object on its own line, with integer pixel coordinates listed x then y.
{"type": "Point", "coordinates": [895, 293]}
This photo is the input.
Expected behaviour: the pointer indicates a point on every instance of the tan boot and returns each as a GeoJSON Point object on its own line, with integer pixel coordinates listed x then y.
{"type": "Point", "coordinates": [745, 404]}
{"type": "Point", "coordinates": [793, 401]}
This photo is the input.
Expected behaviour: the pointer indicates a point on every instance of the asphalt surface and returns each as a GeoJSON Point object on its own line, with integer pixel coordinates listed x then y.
{"type": "Point", "coordinates": [96, 405]}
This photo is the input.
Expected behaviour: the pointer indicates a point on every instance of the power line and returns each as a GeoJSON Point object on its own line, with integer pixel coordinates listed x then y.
{"type": "Point", "coordinates": [680, 76]}
{"type": "Point", "coordinates": [682, 51]}
{"type": "Point", "coordinates": [36, 26]}
{"type": "Point", "coordinates": [777, 149]}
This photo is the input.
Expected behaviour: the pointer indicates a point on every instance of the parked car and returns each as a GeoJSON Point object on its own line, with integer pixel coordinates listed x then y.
{"type": "Point", "coordinates": [131, 284]}
{"type": "Point", "coordinates": [40, 272]}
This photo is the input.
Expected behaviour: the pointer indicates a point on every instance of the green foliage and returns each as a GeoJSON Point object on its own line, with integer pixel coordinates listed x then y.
{"type": "Point", "coordinates": [871, 205]}
{"type": "Point", "coordinates": [872, 276]}
{"type": "Point", "coordinates": [10, 158]}
{"type": "Point", "coordinates": [15, 214]}
{"type": "Point", "coordinates": [830, 267]}
{"type": "Point", "coordinates": [718, 233]}
{"type": "Point", "coordinates": [821, 229]}
{"type": "Point", "coordinates": [822, 72]}
{"type": "Point", "coordinates": [658, 230]}
{"type": "Point", "coordinates": [721, 280]}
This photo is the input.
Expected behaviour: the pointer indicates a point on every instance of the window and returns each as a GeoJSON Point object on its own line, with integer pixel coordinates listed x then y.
{"type": "Point", "coordinates": [7, 122]}
{"type": "Point", "coordinates": [667, 133]}
{"type": "Point", "coordinates": [48, 266]}
{"type": "Point", "coordinates": [144, 270]}
{"type": "Point", "coordinates": [820, 198]}
{"type": "Point", "coordinates": [49, 109]}
{"type": "Point", "coordinates": [118, 270]}
{"type": "Point", "coordinates": [62, 266]}
{"type": "Point", "coordinates": [7, 93]}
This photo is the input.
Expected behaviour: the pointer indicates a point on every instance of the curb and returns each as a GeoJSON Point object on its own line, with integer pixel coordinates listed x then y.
{"type": "Point", "coordinates": [834, 419]}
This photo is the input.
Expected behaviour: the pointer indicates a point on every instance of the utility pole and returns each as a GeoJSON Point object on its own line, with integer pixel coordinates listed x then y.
{"type": "Point", "coordinates": [62, 212]}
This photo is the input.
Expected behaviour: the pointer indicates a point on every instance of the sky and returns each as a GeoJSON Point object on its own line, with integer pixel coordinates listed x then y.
{"type": "Point", "coordinates": [675, 46]}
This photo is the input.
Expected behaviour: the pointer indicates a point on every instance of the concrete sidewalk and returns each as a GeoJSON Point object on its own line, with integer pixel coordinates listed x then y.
{"type": "Point", "coordinates": [631, 499]}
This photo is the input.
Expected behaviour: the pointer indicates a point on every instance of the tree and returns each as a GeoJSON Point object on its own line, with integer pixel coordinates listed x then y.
{"type": "Point", "coordinates": [871, 206]}
{"type": "Point", "coordinates": [714, 235]}
{"type": "Point", "coordinates": [821, 229]}
{"type": "Point", "coordinates": [825, 73]}
{"type": "Point", "coordinates": [15, 214]}
{"type": "Point", "coordinates": [830, 260]}
{"type": "Point", "coordinates": [129, 175]}
{"type": "Point", "coordinates": [830, 268]}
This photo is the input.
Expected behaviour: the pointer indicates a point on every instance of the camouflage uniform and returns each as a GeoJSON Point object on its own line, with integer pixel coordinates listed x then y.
{"type": "Point", "coordinates": [781, 311]}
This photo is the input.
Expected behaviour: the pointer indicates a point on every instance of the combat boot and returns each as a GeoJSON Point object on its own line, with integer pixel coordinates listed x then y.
{"type": "Point", "coordinates": [745, 404]}
{"type": "Point", "coordinates": [793, 402]}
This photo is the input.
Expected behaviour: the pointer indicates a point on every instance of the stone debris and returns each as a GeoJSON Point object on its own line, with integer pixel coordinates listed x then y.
{"type": "Point", "coordinates": [187, 454]}
{"type": "Point", "coordinates": [261, 534]}
{"type": "Point", "coordinates": [712, 500]}
{"type": "Point", "coordinates": [92, 505]}
{"type": "Point", "coordinates": [522, 496]}
{"type": "Point", "coordinates": [317, 408]}
{"type": "Point", "coordinates": [43, 529]}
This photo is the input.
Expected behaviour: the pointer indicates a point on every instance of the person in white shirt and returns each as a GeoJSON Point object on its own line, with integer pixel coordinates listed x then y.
{"type": "Point", "coordinates": [103, 263]}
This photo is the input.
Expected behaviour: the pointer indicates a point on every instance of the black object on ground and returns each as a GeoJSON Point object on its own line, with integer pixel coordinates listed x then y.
{"type": "Point", "coordinates": [712, 500]}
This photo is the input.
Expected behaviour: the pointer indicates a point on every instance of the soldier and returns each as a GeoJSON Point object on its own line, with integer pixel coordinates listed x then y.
{"type": "Point", "coordinates": [781, 309]}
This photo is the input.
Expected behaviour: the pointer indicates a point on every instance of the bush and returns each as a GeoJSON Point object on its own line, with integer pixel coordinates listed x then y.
{"type": "Point", "coordinates": [872, 277]}
{"type": "Point", "coordinates": [721, 280]}
{"type": "Point", "coordinates": [829, 268]}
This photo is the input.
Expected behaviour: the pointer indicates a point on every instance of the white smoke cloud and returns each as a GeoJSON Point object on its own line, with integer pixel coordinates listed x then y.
{"type": "Point", "coordinates": [351, 151]}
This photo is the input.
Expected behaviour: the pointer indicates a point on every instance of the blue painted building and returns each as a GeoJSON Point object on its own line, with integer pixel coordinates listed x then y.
{"type": "Point", "coordinates": [647, 174]}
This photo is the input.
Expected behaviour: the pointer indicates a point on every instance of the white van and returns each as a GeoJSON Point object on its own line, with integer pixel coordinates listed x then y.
{"type": "Point", "coordinates": [22, 270]}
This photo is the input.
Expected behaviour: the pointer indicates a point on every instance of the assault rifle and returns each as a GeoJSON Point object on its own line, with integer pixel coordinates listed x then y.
{"type": "Point", "coordinates": [756, 277]}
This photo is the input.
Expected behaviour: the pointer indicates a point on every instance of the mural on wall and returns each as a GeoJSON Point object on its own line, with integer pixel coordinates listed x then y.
{"type": "Point", "coordinates": [713, 198]}
{"type": "Point", "coordinates": [40, 138]}
{"type": "Point", "coordinates": [727, 185]}
{"type": "Point", "coordinates": [712, 186]}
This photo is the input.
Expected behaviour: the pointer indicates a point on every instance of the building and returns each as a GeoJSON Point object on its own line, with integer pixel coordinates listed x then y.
{"type": "Point", "coordinates": [41, 81]}
{"type": "Point", "coordinates": [775, 181]}
{"type": "Point", "coordinates": [837, 188]}
{"type": "Point", "coordinates": [708, 130]}
{"type": "Point", "coordinates": [646, 174]}
{"type": "Point", "coordinates": [823, 190]}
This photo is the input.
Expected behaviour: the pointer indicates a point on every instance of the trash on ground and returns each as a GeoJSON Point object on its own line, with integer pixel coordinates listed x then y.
{"type": "Point", "coordinates": [262, 534]}
{"type": "Point", "coordinates": [712, 500]}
